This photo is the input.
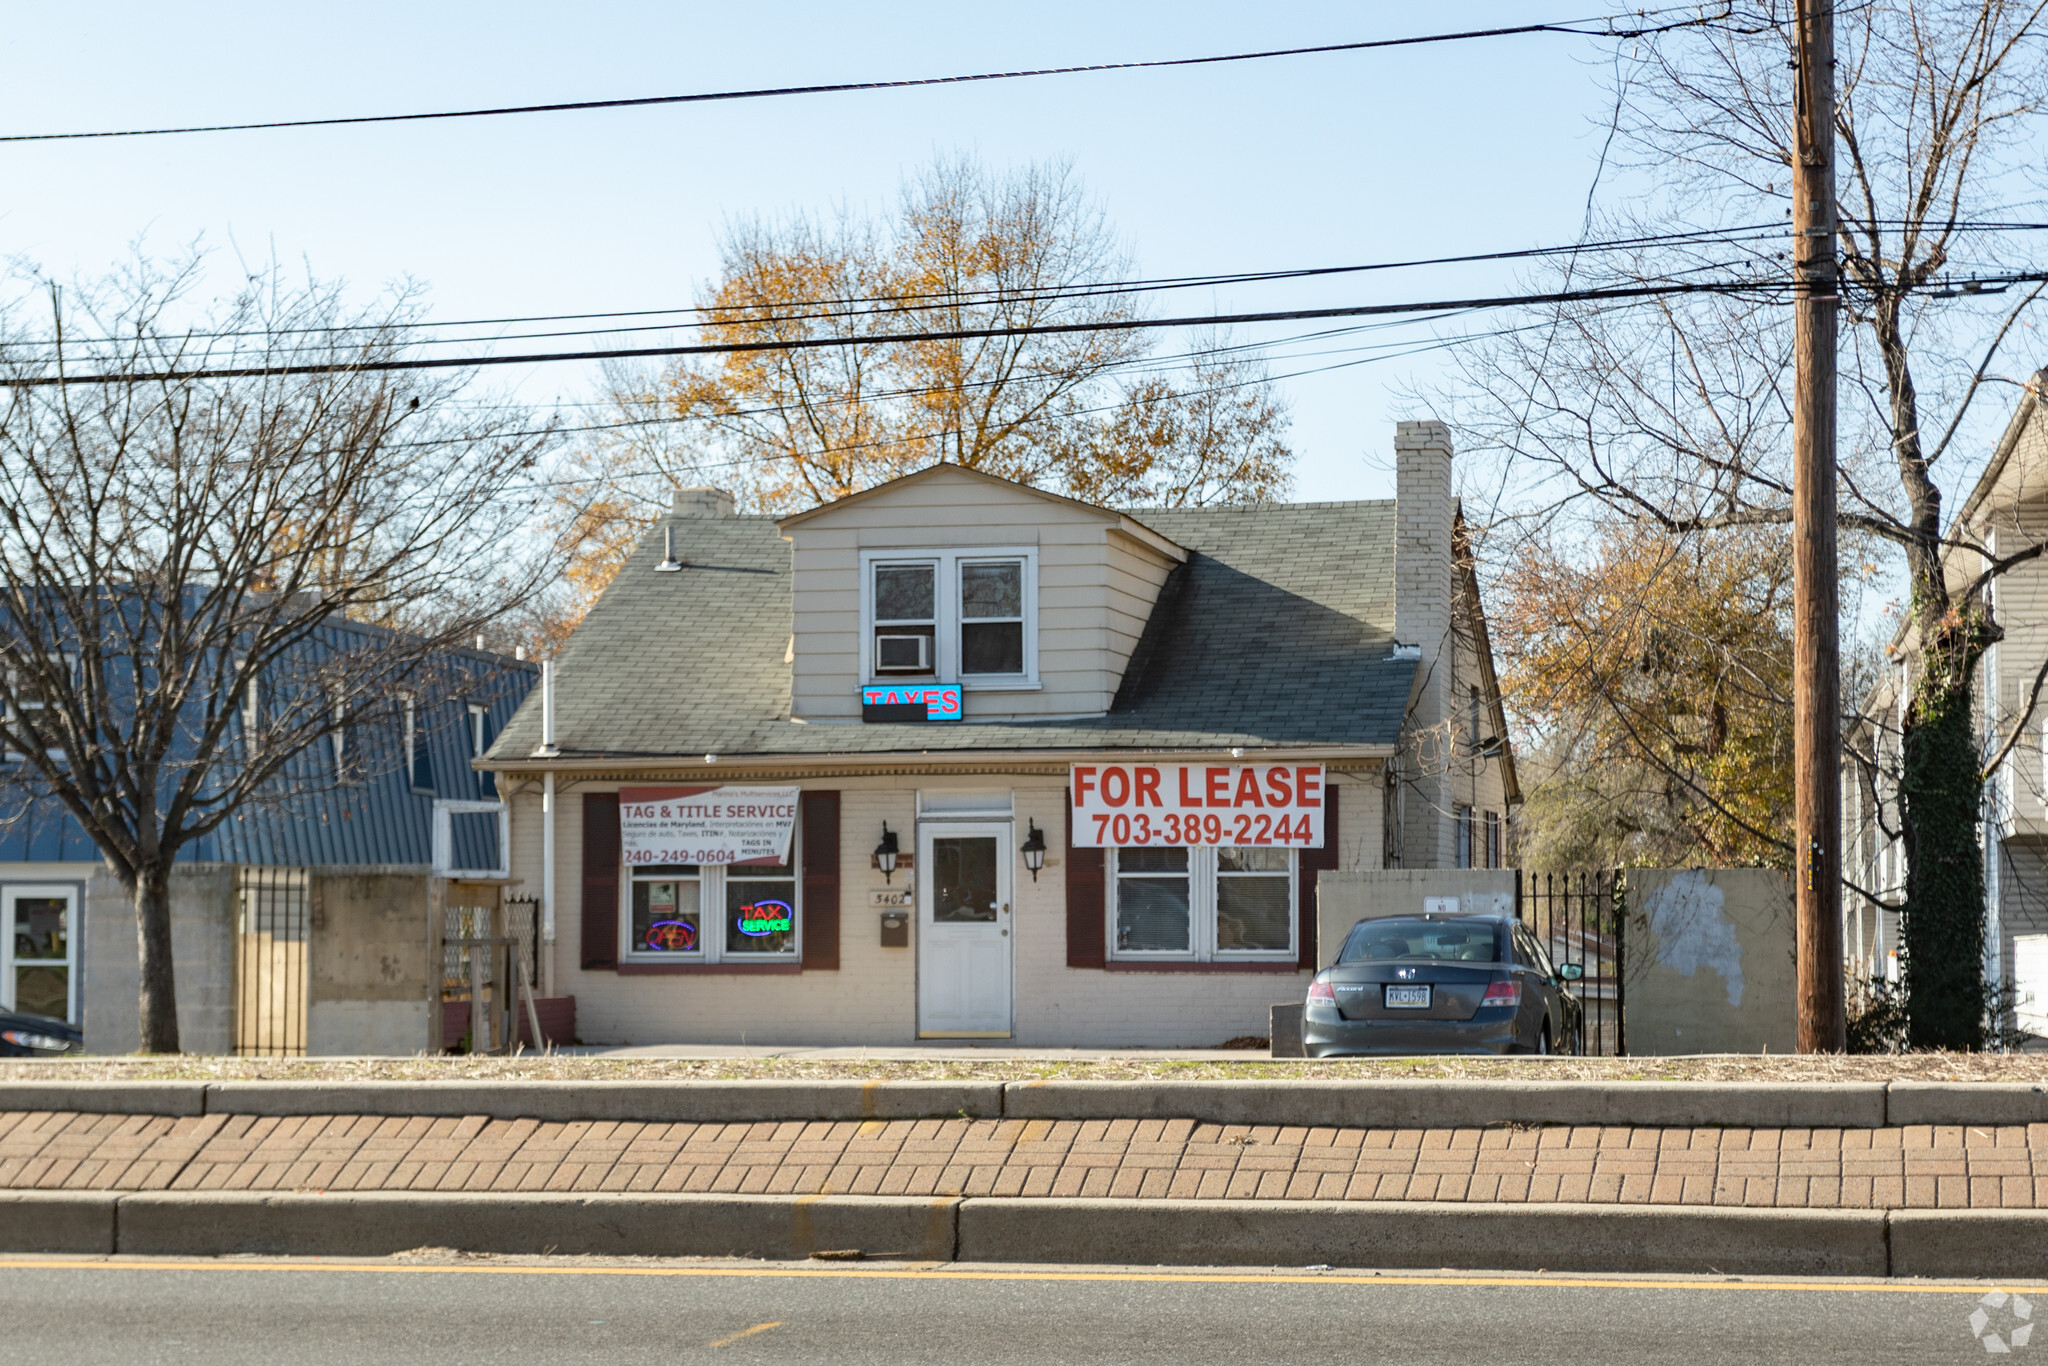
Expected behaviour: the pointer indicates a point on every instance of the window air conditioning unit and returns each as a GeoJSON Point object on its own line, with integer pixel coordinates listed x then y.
{"type": "Point", "coordinates": [903, 654]}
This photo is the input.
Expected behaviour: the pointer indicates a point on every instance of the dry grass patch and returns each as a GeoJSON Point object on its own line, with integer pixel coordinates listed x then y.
{"type": "Point", "coordinates": [1979, 1067]}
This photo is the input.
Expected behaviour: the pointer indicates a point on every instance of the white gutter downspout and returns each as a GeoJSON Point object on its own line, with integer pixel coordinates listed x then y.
{"type": "Point", "coordinates": [547, 750]}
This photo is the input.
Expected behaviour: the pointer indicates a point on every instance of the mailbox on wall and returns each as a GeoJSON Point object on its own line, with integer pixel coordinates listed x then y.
{"type": "Point", "coordinates": [895, 929]}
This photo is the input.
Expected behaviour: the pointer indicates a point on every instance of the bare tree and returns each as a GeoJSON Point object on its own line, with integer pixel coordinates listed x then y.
{"type": "Point", "coordinates": [1676, 414]}
{"type": "Point", "coordinates": [201, 579]}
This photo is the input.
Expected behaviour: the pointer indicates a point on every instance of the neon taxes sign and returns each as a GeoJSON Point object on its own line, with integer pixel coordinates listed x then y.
{"type": "Point", "coordinates": [767, 917]}
{"type": "Point", "coordinates": [912, 702]}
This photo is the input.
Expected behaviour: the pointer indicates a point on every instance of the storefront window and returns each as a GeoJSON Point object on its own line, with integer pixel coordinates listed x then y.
{"type": "Point", "coordinates": [760, 910]}
{"type": "Point", "coordinates": [679, 913]}
{"type": "Point", "coordinates": [1203, 903]}
{"type": "Point", "coordinates": [1254, 900]}
{"type": "Point", "coordinates": [1152, 903]}
{"type": "Point", "coordinates": [668, 910]}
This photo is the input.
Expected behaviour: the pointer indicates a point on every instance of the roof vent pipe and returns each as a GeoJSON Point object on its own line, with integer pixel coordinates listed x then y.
{"type": "Point", "coordinates": [669, 564]}
{"type": "Point", "coordinates": [547, 748]}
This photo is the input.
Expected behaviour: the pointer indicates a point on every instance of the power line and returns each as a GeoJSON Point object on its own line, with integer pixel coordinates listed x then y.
{"type": "Point", "coordinates": [1564, 27]}
{"type": "Point", "coordinates": [966, 298]}
{"type": "Point", "coordinates": [897, 338]}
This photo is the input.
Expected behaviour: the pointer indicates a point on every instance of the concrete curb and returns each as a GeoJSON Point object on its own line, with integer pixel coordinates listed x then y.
{"type": "Point", "coordinates": [1672, 1238]}
{"type": "Point", "coordinates": [174, 1098]}
{"type": "Point", "coordinates": [374, 1224]}
{"type": "Point", "coordinates": [1987, 1242]}
{"type": "Point", "coordinates": [58, 1221]}
{"type": "Point", "coordinates": [671, 1102]}
{"type": "Point", "coordinates": [1456, 1104]}
{"type": "Point", "coordinates": [1937, 1102]}
{"type": "Point", "coordinates": [1393, 1235]}
{"type": "Point", "coordinates": [1347, 1104]}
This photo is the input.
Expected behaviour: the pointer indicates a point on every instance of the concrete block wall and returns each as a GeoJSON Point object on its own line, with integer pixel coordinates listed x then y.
{"type": "Point", "coordinates": [202, 955]}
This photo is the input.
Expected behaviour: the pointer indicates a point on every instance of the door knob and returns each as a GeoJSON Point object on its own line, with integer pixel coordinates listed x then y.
{"type": "Point", "coordinates": [1006, 934]}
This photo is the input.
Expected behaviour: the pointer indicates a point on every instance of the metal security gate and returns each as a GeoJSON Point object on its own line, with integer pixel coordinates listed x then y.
{"type": "Point", "coordinates": [1582, 918]}
{"type": "Point", "coordinates": [273, 916]}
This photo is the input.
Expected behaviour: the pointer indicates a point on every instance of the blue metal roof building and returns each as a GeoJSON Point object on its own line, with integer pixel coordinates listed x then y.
{"type": "Point", "coordinates": [383, 817]}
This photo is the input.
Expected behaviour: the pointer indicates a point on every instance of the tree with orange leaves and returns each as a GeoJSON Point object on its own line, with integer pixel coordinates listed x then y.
{"type": "Point", "coordinates": [1652, 679]}
{"type": "Point", "coordinates": [1089, 413]}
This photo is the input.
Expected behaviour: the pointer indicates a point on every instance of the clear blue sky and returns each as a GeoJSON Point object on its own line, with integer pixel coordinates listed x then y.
{"type": "Point", "coordinates": [1292, 162]}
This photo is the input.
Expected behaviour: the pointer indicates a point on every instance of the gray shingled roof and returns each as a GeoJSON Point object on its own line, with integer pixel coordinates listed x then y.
{"type": "Point", "coordinates": [1277, 630]}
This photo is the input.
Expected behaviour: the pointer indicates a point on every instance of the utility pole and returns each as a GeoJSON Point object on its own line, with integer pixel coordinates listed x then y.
{"type": "Point", "coordinates": [1816, 650]}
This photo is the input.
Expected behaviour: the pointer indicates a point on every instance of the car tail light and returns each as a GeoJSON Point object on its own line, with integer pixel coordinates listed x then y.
{"type": "Point", "coordinates": [1323, 992]}
{"type": "Point", "coordinates": [1503, 993]}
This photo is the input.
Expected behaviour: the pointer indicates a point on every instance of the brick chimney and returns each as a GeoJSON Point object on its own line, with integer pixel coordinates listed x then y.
{"type": "Point", "coordinates": [702, 502]}
{"type": "Point", "coordinates": [1423, 509]}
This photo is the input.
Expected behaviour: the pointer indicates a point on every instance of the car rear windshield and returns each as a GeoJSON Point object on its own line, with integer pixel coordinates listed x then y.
{"type": "Point", "coordinates": [1470, 941]}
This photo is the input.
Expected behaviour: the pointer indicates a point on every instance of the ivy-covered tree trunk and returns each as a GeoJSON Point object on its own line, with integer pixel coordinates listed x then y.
{"type": "Point", "coordinates": [1940, 790]}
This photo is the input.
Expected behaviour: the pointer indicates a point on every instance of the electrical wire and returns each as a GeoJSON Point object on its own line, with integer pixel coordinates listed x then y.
{"type": "Point", "coordinates": [907, 303]}
{"type": "Point", "coordinates": [770, 92]}
{"type": "Point", "coordinates": [899, 338]}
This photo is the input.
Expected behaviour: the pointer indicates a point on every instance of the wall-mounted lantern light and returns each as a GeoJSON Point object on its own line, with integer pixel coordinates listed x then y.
{"type": "Point", "coordinates": [1034, 850]}
{"type": "Point", "coordinates": [885, 852]}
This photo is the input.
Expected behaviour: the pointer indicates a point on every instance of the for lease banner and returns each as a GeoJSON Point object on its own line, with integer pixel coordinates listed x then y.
{"type": "Point", "coordinates": [1198, 804]}
{"type": "Point", "coordinates": [706, 825]}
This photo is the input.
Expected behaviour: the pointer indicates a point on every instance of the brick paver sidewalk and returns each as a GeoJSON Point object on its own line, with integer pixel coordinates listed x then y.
{"type": "Point", "coordinates": [1915, 1167]}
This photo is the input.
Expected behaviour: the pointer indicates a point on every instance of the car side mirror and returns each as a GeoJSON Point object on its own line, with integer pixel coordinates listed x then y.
{"type": "Point", "coordinates": [1571, 972]}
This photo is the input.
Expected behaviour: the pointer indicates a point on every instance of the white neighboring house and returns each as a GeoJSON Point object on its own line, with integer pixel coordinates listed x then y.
{"type": "Point", "coordinates": [2007, 512]}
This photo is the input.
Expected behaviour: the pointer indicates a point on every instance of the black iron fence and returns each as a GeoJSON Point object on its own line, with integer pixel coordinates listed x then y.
{"type": "Point", "coordinates": [273, 915]}
{"type": "Point", "coordinates": [1582, 918]}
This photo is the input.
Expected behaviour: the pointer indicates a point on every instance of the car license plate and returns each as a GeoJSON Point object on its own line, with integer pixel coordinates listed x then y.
{"type": "Point", "coordinates": [1411, 998]}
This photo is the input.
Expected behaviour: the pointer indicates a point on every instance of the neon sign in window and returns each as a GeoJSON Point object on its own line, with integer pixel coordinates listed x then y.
{"type": "Point", "coordinates": [766, 917]}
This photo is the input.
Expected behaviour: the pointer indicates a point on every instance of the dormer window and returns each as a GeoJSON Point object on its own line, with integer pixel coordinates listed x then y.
{"type": "Point", "coordinates": [951, 616]}
{"type": "Point", "coordinates": [991, 617]}
{"type": "Point", "coordinates": [906, 617]}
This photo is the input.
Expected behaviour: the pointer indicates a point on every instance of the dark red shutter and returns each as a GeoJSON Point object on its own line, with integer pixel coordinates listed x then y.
{"type": "Point", "coordinates": [1087, 904]}
{"type": "Point", "coordinates": [821, 881]}
{"type": "Point", "coordinates": [600, 880]}
{"type": "Point", "coordinates": [1312, 862]}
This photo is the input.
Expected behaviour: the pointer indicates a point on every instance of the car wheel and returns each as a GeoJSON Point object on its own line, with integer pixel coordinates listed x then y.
{"type": "Point", "coordinates": [1543, 1039]}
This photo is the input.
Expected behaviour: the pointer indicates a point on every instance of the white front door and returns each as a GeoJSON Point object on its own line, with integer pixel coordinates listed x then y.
{"type": "Point", "coordinates": [965, 930]}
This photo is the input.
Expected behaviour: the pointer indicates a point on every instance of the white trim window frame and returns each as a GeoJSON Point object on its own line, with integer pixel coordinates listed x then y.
{"type": "Point", "coordinates": [12, 961]}
{"type": "Point", "coordinates": [1224, 887]}
{"type": "Point", "coordinates": [717, 931]}
{"type": "Point", "coordinates": [41, 704]}
{"type": "Point", "coordinates": [949, 569]}
{"type": "Point", "coordinates": [479, 717]}
{"type": "Point", "coordinates": [417, 762]}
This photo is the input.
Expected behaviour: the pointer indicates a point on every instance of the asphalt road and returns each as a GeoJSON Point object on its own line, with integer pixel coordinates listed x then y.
{"type": "Point", "coordinates": [224, 1313]}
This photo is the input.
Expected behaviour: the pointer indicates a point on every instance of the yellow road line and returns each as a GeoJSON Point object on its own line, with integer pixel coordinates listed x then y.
{"type": "Point", "coordinates": [748, 1332]}
{"type": "Point", "coordinates": [930, 1272]}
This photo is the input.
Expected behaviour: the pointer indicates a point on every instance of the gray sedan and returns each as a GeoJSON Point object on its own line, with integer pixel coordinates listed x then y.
{"type": "Point", "coordinates": [1442, 984]}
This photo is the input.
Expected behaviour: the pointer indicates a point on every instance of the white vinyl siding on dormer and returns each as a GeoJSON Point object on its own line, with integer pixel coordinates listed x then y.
{"type": "Point", "coordinates": [1094, 586]}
